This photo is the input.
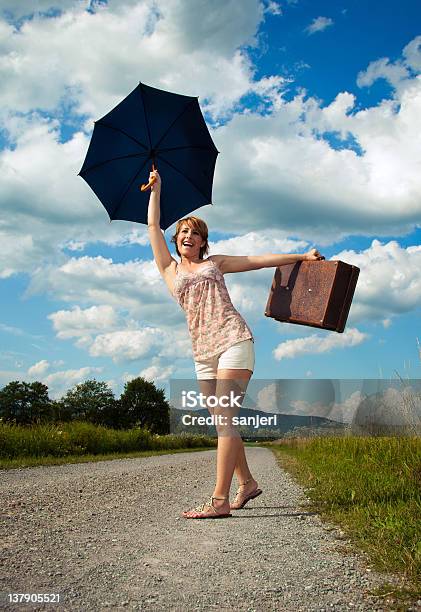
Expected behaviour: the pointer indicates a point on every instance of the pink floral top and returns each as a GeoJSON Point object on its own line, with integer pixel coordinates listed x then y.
{"type": "Point", "coordinates": [214, 324]}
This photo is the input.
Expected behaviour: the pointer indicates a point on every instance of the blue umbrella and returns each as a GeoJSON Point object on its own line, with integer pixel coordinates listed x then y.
{"type": "Point", "coordinates": [151, 128]}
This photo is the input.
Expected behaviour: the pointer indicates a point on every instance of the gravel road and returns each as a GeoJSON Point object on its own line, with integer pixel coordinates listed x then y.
{"type": "Point", "coordinates": [108, 536]}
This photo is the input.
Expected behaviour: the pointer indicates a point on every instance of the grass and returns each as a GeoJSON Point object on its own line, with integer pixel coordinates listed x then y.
{"type": "Point", "coordinates": [25, 462]}
{"type": "Point", "coordinates": [371, 487]}
{"type": "Point", "coordinates": [55, 444]}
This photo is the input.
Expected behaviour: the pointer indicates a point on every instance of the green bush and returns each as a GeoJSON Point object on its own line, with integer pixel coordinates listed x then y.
{"type": "Point", "coordinates": [81, 438]}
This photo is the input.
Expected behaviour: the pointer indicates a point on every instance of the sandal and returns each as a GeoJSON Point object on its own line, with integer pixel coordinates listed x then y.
{"type": "Point", "coordinates": [199, 512]}
{"type": "Point", "coordinates": [239, 503]}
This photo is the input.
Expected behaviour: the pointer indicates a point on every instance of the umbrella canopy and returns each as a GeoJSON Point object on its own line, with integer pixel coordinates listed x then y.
{"type": "Point", "coordinates": [151, 126]}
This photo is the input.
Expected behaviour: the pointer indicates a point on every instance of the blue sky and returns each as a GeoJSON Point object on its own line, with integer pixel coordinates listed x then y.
{"type": "Point", "coordinates": [314, 107]}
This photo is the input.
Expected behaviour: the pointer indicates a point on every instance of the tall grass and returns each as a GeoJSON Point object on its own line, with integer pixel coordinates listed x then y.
{"type": "Point", "coordinates": [372, 487]}
{"type": "Point", "coordinates": [79, 438]}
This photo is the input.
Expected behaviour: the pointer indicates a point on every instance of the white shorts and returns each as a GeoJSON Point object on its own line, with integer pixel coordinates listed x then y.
{"type": "Point", "coordinates": [239, 356]}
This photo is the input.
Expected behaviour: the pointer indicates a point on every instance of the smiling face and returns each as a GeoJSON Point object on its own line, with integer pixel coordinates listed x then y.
{"type": "Point", "coordinates": [191, 239]}
{"type": "Point", "coordinates": [189, 242]}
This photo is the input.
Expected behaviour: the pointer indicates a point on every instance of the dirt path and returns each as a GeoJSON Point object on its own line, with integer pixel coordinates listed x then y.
{"type": "Point", "coordinates": [108, 536]}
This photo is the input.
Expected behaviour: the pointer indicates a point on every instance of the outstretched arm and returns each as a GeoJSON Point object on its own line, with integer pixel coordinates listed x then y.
{"type": "Point", "coordinates": [244, 263]}
{"type": "Point", "coordinates": [159, 245]}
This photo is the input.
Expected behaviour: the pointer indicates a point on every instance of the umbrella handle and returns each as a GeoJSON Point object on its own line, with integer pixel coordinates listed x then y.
{"type": "Point", "coordinates": [149, 185]}
{"type": "Point", "coordinates": [151, 182]}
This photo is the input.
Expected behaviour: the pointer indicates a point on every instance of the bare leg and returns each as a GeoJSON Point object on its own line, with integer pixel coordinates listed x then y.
{"type": "Point", "coordinates": [242, 470]}
{"type": "Point", "coordinates": [208, 387]}
{"type": "Point", "coordinates": [230, 452]}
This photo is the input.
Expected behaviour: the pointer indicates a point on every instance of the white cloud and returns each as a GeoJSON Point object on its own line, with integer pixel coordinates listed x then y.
{"type": "Point", "coordinates": [273, 8]}
{"type": "Point", "coordinates": [135, 235]}
{"type": "Point", "coordinates": [18, 252]}
{"type": "Point", "coordinates": [46, 211]}
{"type": "Point", "coordinates": [382, 69]}
{"type": "Point", "coordinates": [59, 382]}
{"type": "Point", "coordinates": [135, 343]}
{"type": "Point", "coordinates": [257, 243]}
{"type": "Point", "coordinates": [39, 369]}
{"type": "Point", "coordinates": [307, 197]}
{"type": "Point", "coordinates": [44, 202]}
{"type": "Point", "coordinates": [79, 322]}
{"type": "Point", "coordinates": [345, 411]}
{"type": "Point", "coordinates": [389, 282]}
{"type": "Point", "coordinates": [342, 412]}
{"type": "Point", "coordinates": [135, 285]}
{"type": "Point", "coordinates": [156, 372]}
{"type": "Point", "coordinates": [412, 54]}
{"type": "Point", "coordinates": [316, 343]}
{"type": "Point", "coordinates": [398, 73]}
{"type": "Point", "coordinates": [304, 408]}
{"type": "Point", "coordinates": [162, 43]}
{"type": "Point", "coordinates": [127, 345]}
{"type": "Point", "coordinates": [319, 24]}
{"type": "Point", "coordinates": [267, 399]}
{"type": "Point", "coordinates": [46, 65]}
{"type": "Point", "coordinates": [24, 8]}
{"type": "Point", "coordinates": [75, 245]}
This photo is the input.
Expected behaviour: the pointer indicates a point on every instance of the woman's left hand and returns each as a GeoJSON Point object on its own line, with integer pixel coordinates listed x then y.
{"type": "Point", "coordinates": [312, 255]}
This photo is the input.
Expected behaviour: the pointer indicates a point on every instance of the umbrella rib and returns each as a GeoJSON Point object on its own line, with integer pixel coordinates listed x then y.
{"type": "Point", "coordinates": [176, 119]}
{"type": "Point", "coordinates": [139, 171]}
{"type": "Point", "coordinates": [110, 160]}
{"type": "Point", "coordinates": [111, 127]}
{"type": "Point", "coordinates": [146, 119]}
{"type": "Point", "coordinates": [129, 186]}
{"type": "Point", "coordinates": [186, 177]}
{"type": "Point", "coordinates": [204, 148]}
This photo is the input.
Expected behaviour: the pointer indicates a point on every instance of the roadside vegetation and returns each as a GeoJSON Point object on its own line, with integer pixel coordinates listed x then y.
{"type": "Point", "coordinates": [24, 446]}
{"type": "Point", "coordinates": [87, 424]}
{"type": "Point", "coordinates": [371, 487]}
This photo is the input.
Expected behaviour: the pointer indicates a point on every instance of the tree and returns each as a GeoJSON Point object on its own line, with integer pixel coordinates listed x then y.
{"type": "Point", "coordinates": [61, 412]}
{"type": "Point", "coordinates": [143, 404]}
{"type": "Point", "coordinates": [91, 401]}
{"type": "Point", "coordinates": [25, 403]}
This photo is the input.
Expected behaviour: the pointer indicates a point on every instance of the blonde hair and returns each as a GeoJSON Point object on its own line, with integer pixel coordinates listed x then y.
{"type": "Point", "coordinates": [196, 224]}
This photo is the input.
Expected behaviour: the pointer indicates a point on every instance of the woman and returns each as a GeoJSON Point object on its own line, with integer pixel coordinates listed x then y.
{"type": "Point", "coordinates": [223, 344]}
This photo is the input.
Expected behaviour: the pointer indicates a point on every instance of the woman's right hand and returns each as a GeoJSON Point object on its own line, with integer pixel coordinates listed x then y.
{"type": "Point", "coordinates": [157, 185]}
{"type": "Point", "coordinates": [312, 255]}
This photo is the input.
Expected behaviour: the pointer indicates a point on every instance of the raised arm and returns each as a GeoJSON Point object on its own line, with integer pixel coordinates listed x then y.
{"type": "Point", "coordinates": [159, 245]}
{"type": "Point", "coordinates": [244, 263]}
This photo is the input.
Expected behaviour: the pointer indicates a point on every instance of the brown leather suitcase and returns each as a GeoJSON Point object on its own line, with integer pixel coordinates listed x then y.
{"type": "Point", "coordinates": [314, 293]}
